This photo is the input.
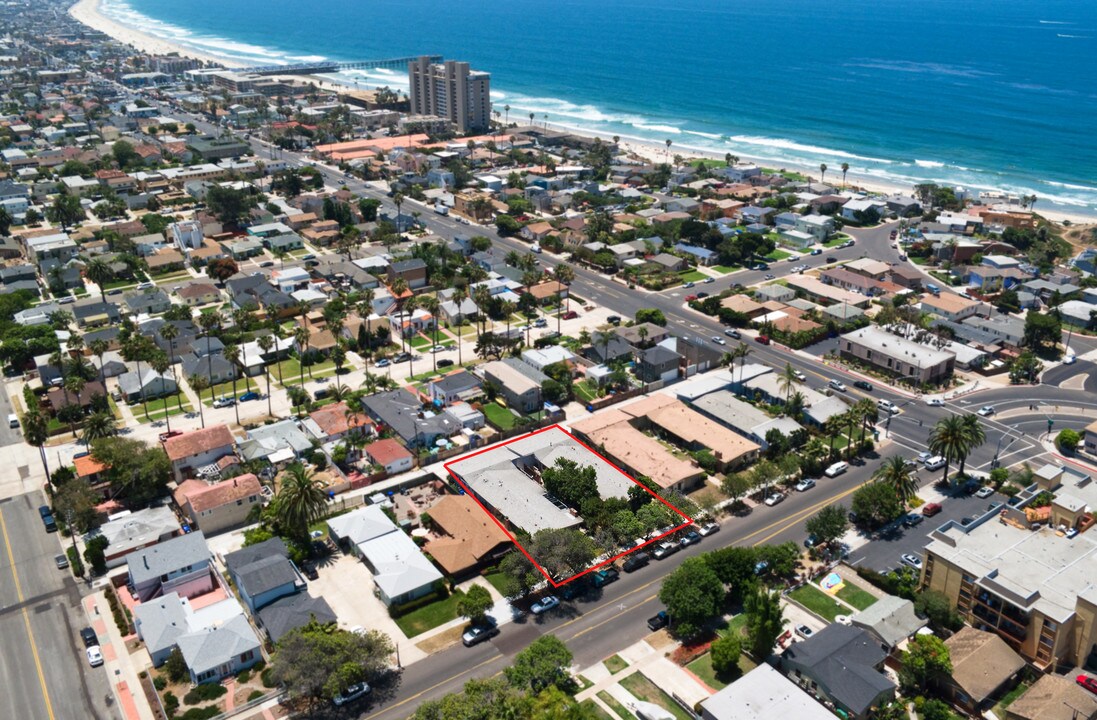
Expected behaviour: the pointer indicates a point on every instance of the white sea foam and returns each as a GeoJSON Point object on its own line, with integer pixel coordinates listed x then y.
{"type": "Point", "coordinates": [785, 144]}
{"type": "Point", "coordinates": [1055, 22]}
{"type": "Point", "coordinates": [929, 163]}
{"type": "Point", "coordinates": [1075, 37]}
{"type": "Point", "coordinates": [658, 128]}
{"type": "Point", "coordinates": [710, 136]}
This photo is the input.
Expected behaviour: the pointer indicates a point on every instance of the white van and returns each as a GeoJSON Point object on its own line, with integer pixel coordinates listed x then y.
{"type": "Point", "coordinates": [934, 463]}
{"type": "Point", "coordinates": [887, 406]}
{"type": "Point", "coordinates": [13, 420]}
{"type": "Point", "coordinates": [836, 469]}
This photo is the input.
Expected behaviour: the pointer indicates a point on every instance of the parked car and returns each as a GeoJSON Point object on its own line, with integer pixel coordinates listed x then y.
{"type": "Point", "coordinates": [352, 693]}
{"type": "Point", "coordinates": [89, 637]}
{"type": "Point", "coordinates": [479, 633]}
{"type": "Point", "coordinates": [708, 529]}
{"type": "Point", "coordinates": [665, 550]}
{"type": "Point", "coordinates": [320, 394]}
{"type": "Point", "coordinates": [763, 339]}
{"type": "Point", "coordinates": [224, 402]}
{"type": "Point", "coordinates": [658, 621]}
{"type": "Point", "coordinates": [911, 520]}
{"type": "Point", "coordinates": [47, 518]}
{"type": "Point", "coordinates": [831, 258]}
{"type": "Point", "coordinates": [986, 410]}
{"type": "Point", "coordinates": [935, 463]}
{"type": "Point", "coordinates": [816, 251]}
{"type": "Point", "coordinates": [732, 333]}
{"type": "Point", "coordinates": [912, 560]}
{"type": "Point", "coordinates": [309, 569]}
{"type": "Point", "coordinates": [923, 456]}
{"type": "Point", "coordinates": [540, 323]}
{"type": "Point", "coordinates": [545, 604]}
{"type": "Point", "coordinates": [805, 485]}
{"type": "Point", "coordinates": [62, 561]}
{"type": "Point", "coordinates": [438, 348]}
{"type": "Point", "coordinates": [836, 469]}
{"type": "Point", "coordinates": [774, 499]}
{"type": "Point", "coordinates": [383, 362]}
{"type": "Point", "coordinates": [804, 631]}
{"type": "Point", "coordinates": [249, 396]}
{"type": "Point", "coordinates": [571, 315]}
{"type": "Point", "coordinates": [635, 561]}
{"type": "Point", "coordinates": [1088, 683]}
{"type": "Point", "coordinates": [690, 538]}
{"type": "Point", "coordinates": [931, 509]}
{"type": "Point", "coordinates": [401, 357]}
{"type": "Point", "coordinates": [837, 385]}
{"type": "Point", "coordinates": [95, 656]}
{"type": "Point", "coordinates": [862, 385]}
{"type": "Point", "coordinates": [799, 375]}
{"type": "Point", "coordinates": [702, 295]}
{"type": "Point", "coordinates": [445, 362]}
{"type": "Point", "coordinates": [984, 492]}
{"type": "Point", "coordinates": [605, 576]}
{"type": "Point", "coordinates": [690, 298]}
{"type": "Point", "coordinates": [688, 285]}
{"type": "Point", "coordinates": [709, 280]}
{"type": "Point", "coordinates": [812, 541]}
{"type": "Point", "coordinates": [887, 406]}
{"type": "Point", "coordinates": [614, 319]}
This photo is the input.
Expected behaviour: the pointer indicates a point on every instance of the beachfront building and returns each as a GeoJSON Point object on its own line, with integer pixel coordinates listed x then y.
{"type": "Point", "coordinates": [451, 90]}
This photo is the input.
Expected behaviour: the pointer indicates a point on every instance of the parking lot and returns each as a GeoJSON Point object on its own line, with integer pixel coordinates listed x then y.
{"type": "Point", "coordinates": [883, 551]}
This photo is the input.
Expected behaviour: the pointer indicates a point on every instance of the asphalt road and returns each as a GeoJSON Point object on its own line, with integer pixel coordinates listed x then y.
{"type": "Point", "coordinates": [42, 665]}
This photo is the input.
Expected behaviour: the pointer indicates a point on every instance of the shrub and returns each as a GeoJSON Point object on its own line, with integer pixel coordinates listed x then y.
{"type": "Point", "coordinates": [171, 704]}
{"type": "Point", "coordinates": [204, 692]}
{"type": "Point", "coordinates": [725, 656]}
{"type": "Point", "coordinates": [75, 563]}
{"type": "Point", "coordinates": [202, 713]}
{"type": "Point", "coordinates": [121, 619]}
{"type": "Point", "coordinates": [1068, 440]}
{"type": "Point", "coordinates": [1009, 489]}
{"type": "Point", "coordinates": [176, 667]}
{"type": "Point", "coordinates": [267, 678]}
{"type": "Point", "coordinates": [243, 676]}
{"type": "Point", "coordinates": [159, 682]}
{"type": "Point", "coordinates": [255, 695]}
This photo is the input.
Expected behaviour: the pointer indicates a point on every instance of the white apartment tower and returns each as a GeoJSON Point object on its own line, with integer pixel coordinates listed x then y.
{"type": "Point", "coordinates": [451, 90]}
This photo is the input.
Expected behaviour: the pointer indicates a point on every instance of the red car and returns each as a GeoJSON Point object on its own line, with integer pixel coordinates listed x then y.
{"type": "Point", "coordinates": [571, 315]}
{"type": "Point", "coordinates": [690, 298]}
{"type": "Point", "coordinates": [764, 339]}
{"type": "Point", "coordinates": [1088, 683]}
{"type": "Point", "coordinates": [931, 509]}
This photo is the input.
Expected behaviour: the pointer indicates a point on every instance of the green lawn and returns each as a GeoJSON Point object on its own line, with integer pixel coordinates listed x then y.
{"type": "Point", "coordinates": [737, 625]}
{"type": "Point", "coordinates": [615, 664]}
{"type": "Point", "coordinates": [419, 342]}
{"type": "Point", "coordinates": [617, 707]}
{"type": "Point", "coordinates": [778, 255]}
{"type": "Point", "coordinates": [115, 284]}
{"type": "Point", "coordinates": [595, 710]}
{"type": "Point", "coordinates": [225, 389]}
{"type": "Point", "coordinates": [856, 597]}
{"type": "Point", "coordinates": [428, 617]}
{"type": "Point", "coordinates": [501, 417]}
{"type": "Point", "coordinates": [584, 391]}
{"type": "Point", "coordinates": [291, 370]}
{"type": "Point", "coordinates": [496, 579]}
{"type": "Point", "coordinates": [702, 668]}
{"type": "Point", "coordinates": [835, 241]}
{"type": "Point", "coordinates": [818, 602]}
{"type": "Point", "coordinates": [917, 260]}
{"type": "Point", "coordinates": [170, 277]}
{"type": "Point", "coordinates": [691, 276]}
{"type": "Point", "coordinates": [1008, 698]}
{"type": "Point", "coordinates": [646, 690]}
{"type": "Point", "coordinates": [161, 408]}
{"type": "Point", "coordinates": [725, 269]}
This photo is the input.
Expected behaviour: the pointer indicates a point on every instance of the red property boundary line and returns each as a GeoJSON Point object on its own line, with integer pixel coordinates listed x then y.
{"type": "Point", "coordinates": [502, 526]}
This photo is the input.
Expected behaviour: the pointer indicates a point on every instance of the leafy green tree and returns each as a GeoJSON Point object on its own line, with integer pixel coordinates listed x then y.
{"type": "Point", "coordinates": [693, 596]}
{"type": "Point", "coordinates": [876, 504]}
{"type": "Point", "coordinates": [125, 155]}
{"type": "Point", "coordinates": [475, 603]}
{"type": "Point", "coordinates": [300, 501]}
{"type": "Point", "coordinates": [543, 663]}
{"type": "Point", "coordinates": [176, 667]}
{"type": "Point", "coordinates": [1068, 440]}
{"type": "Point", "coordinates": [828, 524]}
{"type": "Point", "coordinates": [1042, 332]}
{"type": "Point", "coordinates": [651, 315]}
{"type": "Point", "coordinates": [935, 606]}
{"type": "Point", "coordinates": [228, 204]}
{"type": "Point", "coordinates": [315, 662]}
{"type": "Point", "coordinates": [135, 470]}
{"type": "Point", "coordinates": [765, 620]}
{"type": "Point", "coordinates": [725, 657]}
{"type": "Point", "coordinates": [5, 222]}
{"type": "Point", "coordinates": [570, 482]}
{"type": "Point", "coordinates": [66, 211]}
{"type": "Point", "coordinates": [75, 502]}
{"type": "Point", "coordinates": [898, 474]}
{"type": "Point", "coordinates": [95, 554]}
{"type": "Point", "coordinates": [925, 660]}
{"type": "Point", "coordinates": [562, 552]}
{"type": "Point", "coordinates": [518, 575]}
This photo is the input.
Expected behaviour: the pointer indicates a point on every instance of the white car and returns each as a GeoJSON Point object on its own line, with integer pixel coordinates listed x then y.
{"type": "Point", "coordinates": [351, 694]}
{"type": "Point", "coordinates": [774, 499]}
{"type": "Point", "coordinates": [708, 529]}
{"type": "Point", "coordinates": [836, 469]}
{"type": "Point", "coordinates": [719, 340]}
{"type": "Point", "coordinates": [935, 402]}
{"type": "Point", "coordinates": [544, 604]}
{"type": "Point", "coordinates": [986, 410]}
{"type": "Point", "coordinates": [912, 560]}
{"type": "Point", "coordinates": [924, 456]}
{"type": "Point", "coordinates": [837, 385]}
{"type": "Point", "coordinates": [887, 406]}
{"type": "Point", "coordinates": [95, 656]}
{"type": "Point", "coordinates": [805, 485]}
{"type": "Point", "coordinates": [224, 402]}
{"type": "Point", "coordinates": [984, 492]}
{"type": "Point", "coordinates": [799, 376]}
{"type": "Point", "coordinates": [935, 463]}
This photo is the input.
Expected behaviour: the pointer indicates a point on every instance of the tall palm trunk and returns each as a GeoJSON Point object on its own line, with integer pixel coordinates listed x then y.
{"type": "Point", "coordinates": [266, 372]}
{"type": "Point", "coordinates": [178, 392]}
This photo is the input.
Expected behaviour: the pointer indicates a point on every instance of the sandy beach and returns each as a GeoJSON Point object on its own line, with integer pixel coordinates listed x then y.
{"type": "Point", "coordinates": [88, 13]}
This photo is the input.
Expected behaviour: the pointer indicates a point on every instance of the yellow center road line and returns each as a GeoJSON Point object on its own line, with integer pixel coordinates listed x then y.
{"type": "Point", "coordinates": [26, 619]}
{"type": "Point", "coordinates": [781, 525]}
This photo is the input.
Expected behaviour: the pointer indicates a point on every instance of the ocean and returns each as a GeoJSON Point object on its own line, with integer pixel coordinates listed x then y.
{"type": "Point", "coordinates": [986, 94]}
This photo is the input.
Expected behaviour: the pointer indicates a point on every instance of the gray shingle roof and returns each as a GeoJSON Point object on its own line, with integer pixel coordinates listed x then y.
{"type": "Point", "coordinates": [167, 557]}
{"type": "Point", "coordinates": [294, 611]}
{"type": "Point", "coordinates": [843, 660]}
{"type": "Point", "coordinates": [209, 649]}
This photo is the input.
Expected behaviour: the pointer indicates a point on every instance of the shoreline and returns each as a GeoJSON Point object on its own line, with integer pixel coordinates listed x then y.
{"type": "Point", "coordinates": [88, 13]}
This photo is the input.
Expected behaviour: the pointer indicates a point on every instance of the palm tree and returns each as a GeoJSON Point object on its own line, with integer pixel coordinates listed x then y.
{"type": "Point", "coordinates": [170, 331]}
{"type": "Point", "coordinates": [198, 384]}
{"type": "Point", "coordinates": [460, 294]}
{"type": "Point", "coordinates": [398, 200]}
{"type": "Point", "coordinates": [740, 353]}
{"type": "Point", "coordinates": [339, 358]}
{"type": "Point", "coordinates": [98, 271]}
{"type": "Point", "coordinates": [975, 434]}
{"type": "Point", "coordinates": [868, 413]}
{"type": "Point", "coordinates": [506, 117]}
{"type": "Point", "coordinates": [266, 343]}
{"type": "Point", "coordinates": [507, 308]}
{"type": "Point", "coordinates": [74, 384]}
{"type": "Point", "coordinates": [832, 428]}
{"type": "Point", "coordinates": [36, 433]}
{"type": "Point", "coordinates": [482, 297]}
{"type": "Point", "coordinates": [232, 354]}
{"type": "Point", "coordinates": [280, 255]}
{"type": "Point", "coordinates": [281, 334]}
{"type": "Point", "coordinates": [300, 501]}
{"type": "Point", "coordinates": [531, 116]}
{"type": "Point", "coordinates": [564, 275]}
{"type": "Point", "coordinates": [409, 307]}
{"type": "Point", "coordinates": [301, 337]}
{"type": "Point", "coordinates": [209, 321]}
{"type": "Point", "coordinates": [823, 172]}
{"type": "Point", "coordinates": [898, 473]}
{"type": "Point", "coordinates": [99, 425]}
{"type": "Point", "coordinates": [135, 349]}
{"type": "Point", "coordinates": [159, 363]}
{"type": "Point", "coordinates": [398, 288]}
{"type": "Point", "coordinates": [787, 380]}
{"type": "Point", "coordinates": [430, 304]}
{"type": "Point", "coordinates": [949, 439]}
{"type": "Point", "coordinates": [99, 348]}
{"type": "Point", "coordinates": [845, 169]}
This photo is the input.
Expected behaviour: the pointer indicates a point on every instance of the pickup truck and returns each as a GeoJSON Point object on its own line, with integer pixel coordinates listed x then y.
{"type": "Point", "coordinates": [659, 621]}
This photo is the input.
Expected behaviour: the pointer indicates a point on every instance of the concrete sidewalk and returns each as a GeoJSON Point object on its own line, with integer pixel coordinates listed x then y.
{"type": "Point", "coordinates": [121, 666]}
{"type": "Point", "coordinates": [652, 664]}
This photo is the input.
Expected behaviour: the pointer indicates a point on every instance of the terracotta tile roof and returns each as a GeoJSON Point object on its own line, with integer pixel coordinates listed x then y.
{"type": "Point", "coordinates": [194, 290]}
{"type": "Point", "coordinates": [333, 420]}
{"type": "Point", "coordinates": [202, 496]}
{"type": "Point", "coordinates": [197, 441]}
{"type": "Point", "coordinates": [87, 466]}
{"type": "Point", "coordinates": [386, 451]}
